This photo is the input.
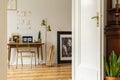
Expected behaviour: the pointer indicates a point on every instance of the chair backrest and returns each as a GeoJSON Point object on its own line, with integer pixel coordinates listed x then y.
{"type": "Point", "coordinates": [28, 48]}
{"type": "Point", "coordinates": [28, 45]}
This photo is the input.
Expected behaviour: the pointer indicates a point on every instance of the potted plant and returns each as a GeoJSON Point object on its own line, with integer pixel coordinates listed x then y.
{"type": "Point", "coordinates": [112, 67]}
{"type": "Point", "coordinates": [39, 36]}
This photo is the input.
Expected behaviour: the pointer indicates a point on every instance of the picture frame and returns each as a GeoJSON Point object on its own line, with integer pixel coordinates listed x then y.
{"type": "Point", "coordinates": [12, 4]}
{"type": "Point", "coordinates": [64, 47]}
{"type": "Point", "coordinates": [26, 39]}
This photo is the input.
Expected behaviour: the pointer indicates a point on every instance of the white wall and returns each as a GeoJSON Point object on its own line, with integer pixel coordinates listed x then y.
{"type": "Point", "coordinates": [57, 12]}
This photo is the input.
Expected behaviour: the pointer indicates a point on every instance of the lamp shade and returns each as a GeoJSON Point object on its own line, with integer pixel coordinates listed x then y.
{"type": "Point", "coordinates": [48, 28]}
{"type": "Point", "coordinates": [43, 22]}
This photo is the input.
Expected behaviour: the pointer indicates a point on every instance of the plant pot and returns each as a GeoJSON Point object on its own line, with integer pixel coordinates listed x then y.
{"type": "Point", "coordinates": [39, 40]}
{"type": "Point", "coordinates": [112, 78]}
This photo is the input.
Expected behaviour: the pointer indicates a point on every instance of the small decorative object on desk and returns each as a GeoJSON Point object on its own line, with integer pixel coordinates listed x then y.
{"type": "Point", "coordinates": [11, 40]}
{"type": "Point", "coordinates": [15, 37]}
{"type": "Point", "coordinates": [39, 37]}
{"type": "Point", "coordinates": [26, 39]}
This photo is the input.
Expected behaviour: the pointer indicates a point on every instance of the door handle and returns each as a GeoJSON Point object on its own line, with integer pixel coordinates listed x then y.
{"type": "Point", "coordinates": [96, 18]}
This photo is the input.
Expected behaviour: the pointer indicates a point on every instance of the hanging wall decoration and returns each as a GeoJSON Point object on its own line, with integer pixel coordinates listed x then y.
{"type": "Point", "coordinates": [23, 19]}
{"type": "Point", "coordinates": [12, 5]}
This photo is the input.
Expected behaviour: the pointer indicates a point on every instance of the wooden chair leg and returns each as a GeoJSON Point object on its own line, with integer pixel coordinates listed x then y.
{"type": "Point", "coordinates": [31, 60]}
{"type": "Point", "coordinates": [16, 60]}
{"type": "Point", "coordinates": [35, 58]}
{"type": "Point", "coordinates": [21, 59]}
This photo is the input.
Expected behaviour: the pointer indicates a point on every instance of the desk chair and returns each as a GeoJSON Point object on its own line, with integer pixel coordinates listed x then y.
{"type": "Point", "coordinates": [27, 50]}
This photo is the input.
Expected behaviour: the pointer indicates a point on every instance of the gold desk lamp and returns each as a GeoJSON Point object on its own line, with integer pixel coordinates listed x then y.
{"type": "Point", "coordinates": [47, 28]}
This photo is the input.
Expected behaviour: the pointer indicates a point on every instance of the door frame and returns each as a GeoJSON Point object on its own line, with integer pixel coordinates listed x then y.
{"type": "Point", "coordinates": [3, 40]}
{"type": "Point", "coordinates": [75, 38]}
{"type": "Point", "coordinates": [76, 32]}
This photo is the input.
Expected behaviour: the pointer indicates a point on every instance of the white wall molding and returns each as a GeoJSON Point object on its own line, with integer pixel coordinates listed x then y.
{"type": "Point", "coordinates": [76, 31]}
{"type": "Point", "coordinates": [3, 40]}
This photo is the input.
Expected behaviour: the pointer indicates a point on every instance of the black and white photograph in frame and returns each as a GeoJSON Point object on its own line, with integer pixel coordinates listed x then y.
{"type": "Point", "coordinates": [64, 47]}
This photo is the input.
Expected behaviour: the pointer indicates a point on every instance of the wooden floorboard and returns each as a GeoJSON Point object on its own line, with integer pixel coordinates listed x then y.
{"type": "Point", "coordinates": [40, 72]}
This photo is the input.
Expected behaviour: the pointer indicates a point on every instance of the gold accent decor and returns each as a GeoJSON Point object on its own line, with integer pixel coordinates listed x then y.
{"type": "Point", "coordinates": [47, 28]}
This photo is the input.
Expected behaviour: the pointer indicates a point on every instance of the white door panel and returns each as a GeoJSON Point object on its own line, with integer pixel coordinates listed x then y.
{"type": "Point", "coordinates": [90, 37]}
{"type": "Point", "coordinates": [90, 72]}
{"type": "Point", "coordinates": [89, 33]}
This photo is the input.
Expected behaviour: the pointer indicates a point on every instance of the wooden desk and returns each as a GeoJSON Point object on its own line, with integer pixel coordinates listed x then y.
{"type": "Point", "coordinates": [13, 45]}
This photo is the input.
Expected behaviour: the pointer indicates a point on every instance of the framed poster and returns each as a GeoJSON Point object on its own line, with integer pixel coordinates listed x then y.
{"type": "Point", "coordinates": [12, 5]}
{"type": "Point", "coordinates": [64, 47]}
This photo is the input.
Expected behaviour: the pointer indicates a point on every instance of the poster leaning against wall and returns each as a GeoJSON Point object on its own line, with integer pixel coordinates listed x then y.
{"type": "Point", "coordinates": [64, 47]}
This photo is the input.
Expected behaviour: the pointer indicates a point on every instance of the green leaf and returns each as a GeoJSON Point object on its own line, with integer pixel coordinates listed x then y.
{"type": "Point", "coordinates": [113, 68]}
{"type": "Point", "coordinates": [106, 66]}
{"type": "Point", "coordinates": [118, 63]}
{"type": "Point", "coordinates": [39, 35]}
{"type": "Point", "coordinates": [112, 60]}
{"type": "Point", "coordinates": [119, 74]}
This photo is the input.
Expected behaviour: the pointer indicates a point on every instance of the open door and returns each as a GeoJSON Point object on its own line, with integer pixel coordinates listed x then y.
{"type": "Point", "coordinates": [87, 39]}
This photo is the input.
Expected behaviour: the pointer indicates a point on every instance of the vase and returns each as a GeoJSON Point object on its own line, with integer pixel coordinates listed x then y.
{"type": "Point", "coordinates": [39, 40]}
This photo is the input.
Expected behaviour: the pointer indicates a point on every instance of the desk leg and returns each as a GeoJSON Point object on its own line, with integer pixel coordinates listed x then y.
{"type": "Point", "coordinates": [41, 53]}
{"type": "Point", "coordinates": [9, 54]}
{"type": "Point", "coordinates": [38, 54]}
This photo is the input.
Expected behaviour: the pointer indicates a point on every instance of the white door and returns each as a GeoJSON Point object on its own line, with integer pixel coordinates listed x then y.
{"type": "Point", "coordinates": [88, 32]}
